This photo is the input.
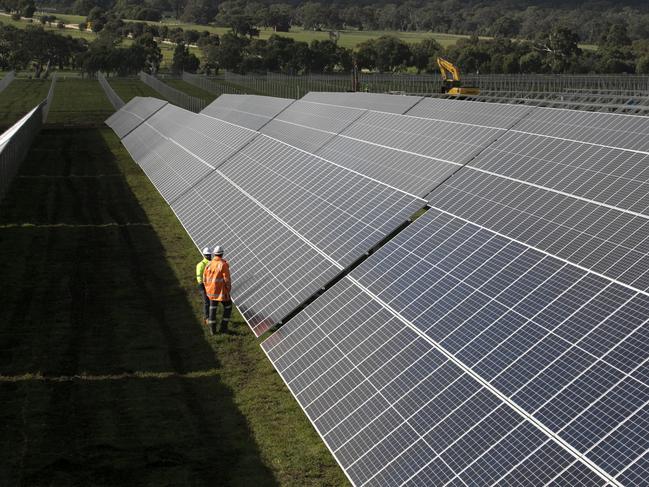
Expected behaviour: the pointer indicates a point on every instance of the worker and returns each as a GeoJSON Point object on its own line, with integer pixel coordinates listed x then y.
{"type": "Point", "coordinates": [217, 287]}
{"type": "Point", "coordinates": [200, 267]}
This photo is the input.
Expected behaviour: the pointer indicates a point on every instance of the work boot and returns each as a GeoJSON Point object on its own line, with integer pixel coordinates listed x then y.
{"type": "Point", "coordinates": [213, 329]}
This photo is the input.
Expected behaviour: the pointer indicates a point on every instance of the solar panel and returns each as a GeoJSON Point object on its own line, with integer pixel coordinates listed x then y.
{"type": "Point", "coordinates": [342, 213]}
{"type": "Point", "coordinates": [456, 355]}
{"type": "Point", "coordinates": [304, 203]}
{"type": "Point", "coordinates": [250, 111]}
{"type": "Point", "coordinates": [585, 203]}
{"type": "Point", "coordinates": [273, 270]}
{"type": "Point", "coordinates": [607, 129]}
{"type": "Point", "coordinates": [371, 101]}
{"type": "Point", "coordinates": [495, 115]}
{"type": "Point", "coordinates": [170, 168]}
{"type": "Point", "coordinates": [413, 154]}
{"type": "Point", "coordinates": [211, 140]}
{"type": "Point", "coordinates": [607, 240]}
{"type": "Point", "coordinates": [309, 126]}
{"type": "Point", "coordinates": [136, 111]}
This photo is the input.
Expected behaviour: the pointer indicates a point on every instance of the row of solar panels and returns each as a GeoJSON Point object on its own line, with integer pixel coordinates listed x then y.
{"type": "Point", "coordinates": [500, 338]}
{"type": "Point", "coordinates": [290, 221]}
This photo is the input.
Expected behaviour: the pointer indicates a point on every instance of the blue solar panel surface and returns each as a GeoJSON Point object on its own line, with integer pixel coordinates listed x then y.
{"type": "Point", "coordinates": [455, 354]}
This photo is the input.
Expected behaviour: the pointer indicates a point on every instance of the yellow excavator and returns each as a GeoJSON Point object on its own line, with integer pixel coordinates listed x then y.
{"type": "Point", "coordinates": [451, 84]}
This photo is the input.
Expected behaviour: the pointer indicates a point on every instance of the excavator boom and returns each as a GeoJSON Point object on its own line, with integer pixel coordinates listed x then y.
{"type": "Point", "coordinates": [451, 83]}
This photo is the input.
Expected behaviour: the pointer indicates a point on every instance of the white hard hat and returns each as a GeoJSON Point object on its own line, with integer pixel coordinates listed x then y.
{"type": "Point", "coordinates": [218, 250]}
{"type": "Point", "coordinates": [206, 251]}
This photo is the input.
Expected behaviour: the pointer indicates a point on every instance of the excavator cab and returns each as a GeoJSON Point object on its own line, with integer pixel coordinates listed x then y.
{"type": "Point", "coordinates": [451, 83]}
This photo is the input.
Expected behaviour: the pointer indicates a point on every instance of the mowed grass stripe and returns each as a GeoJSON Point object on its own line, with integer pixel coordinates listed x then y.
{"type": "Point", "coordinates": [19, 98]}
{"type": "Point", "coordinates": [119, 302]}
{"type": "Point", "coordinates": [79, 102]}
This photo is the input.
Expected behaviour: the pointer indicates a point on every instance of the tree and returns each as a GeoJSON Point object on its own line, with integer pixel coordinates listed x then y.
{"type": "Point", "coordinates": [424, 55]}
{"type": "Point", "coordinates": [616, 37]}
{"type": "Point", "coordinates": [561, 48]}
{"type": "Point", "coordinates": [96, 19]}
{"type": "Point", "coordinates": [152, 53]}
{"type": "Point", "coordinates": [313, 15]}
{"type": "Point", "coordinates": [286, 55]}
{"type": "Point", "coordinates": [325, 57]}
{"type": "Point", "coordinates": [392, 54]}
{"type": "Point", "coordinates": [279, 17]}
{"type": "Point", "coordinates": [229, 53]}
{"type": "Point", "coordinates": [83, 7]}
{"type": "Point", "coordinates": [642, 65]}
{"type": "Point", "coordinates": [183, 60]}
{"type": "Point", "coordinates": [505, 27]}
{"type": "Point", "coordinates": [199, 11]}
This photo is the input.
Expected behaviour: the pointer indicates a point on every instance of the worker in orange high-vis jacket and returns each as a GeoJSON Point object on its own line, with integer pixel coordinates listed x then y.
{"type": "Point", "coordinates": [216, 278]}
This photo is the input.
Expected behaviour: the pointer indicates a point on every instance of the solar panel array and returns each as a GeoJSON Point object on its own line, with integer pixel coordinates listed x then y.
{"type": "Point", "coordinates": [467, 352]}
{"type": "Point", "coordinates": [501, 338]}
{"type": "Point", "coordinates": [291, 222]}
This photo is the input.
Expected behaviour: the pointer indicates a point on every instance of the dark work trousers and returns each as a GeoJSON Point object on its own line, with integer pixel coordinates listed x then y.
{"type": "Point", "coordinates": [227, 311]}
{"type": "Point", "coordinates": [206, 301]}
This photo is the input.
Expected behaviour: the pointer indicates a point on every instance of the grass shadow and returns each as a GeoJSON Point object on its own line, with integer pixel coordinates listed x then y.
{"type": "Point", "coordinates": [106, 376]}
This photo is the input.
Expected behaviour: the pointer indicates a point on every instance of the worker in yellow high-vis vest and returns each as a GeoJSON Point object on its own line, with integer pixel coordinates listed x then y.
{"type": "Point", "coordinates": [200, 268]}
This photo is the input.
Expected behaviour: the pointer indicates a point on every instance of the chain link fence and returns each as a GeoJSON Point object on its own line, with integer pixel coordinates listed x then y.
{"type": "Point", "coordinates": [15, 143]}
{"type": "Point", "coordinates": [289, 86]}
{"type": "Point", "coordinates": [111, 94]}
{"type": "Point", "coordinates": [8, 78]}
{"type": "Point", "coordinates": [175, 96]}
{"type": "Point", "coordinates": [216, 86]}
{"type": "Point", "coordinates": [47, 103]}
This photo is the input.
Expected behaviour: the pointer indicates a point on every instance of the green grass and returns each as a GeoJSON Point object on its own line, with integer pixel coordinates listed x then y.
{"type": "Point", "coordinates": [106, 373]}
{"type": "Point", "coordinates": [190, 89]}
{"type": "Point", "coordinates": [80, 102]}
{"type": "Point", "coordinates": [128, 88]}
{"type": "Point", "coordinates": [20, 97]}
{"type": "Point", "coordinates": [21, 24]}
{"type": "Point", "coordinates": [348, 38]}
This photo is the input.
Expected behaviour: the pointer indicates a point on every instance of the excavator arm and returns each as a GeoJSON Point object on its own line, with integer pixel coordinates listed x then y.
{"type": "Point", "coordinates": [449, 71]}
{"type": "Point", "coordinates": [451, 83]}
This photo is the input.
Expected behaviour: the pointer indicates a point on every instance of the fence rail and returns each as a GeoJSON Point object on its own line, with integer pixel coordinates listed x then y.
{"type": "Point", "coordinates": [15, 143]}
{"type": "Point", "coordinates": [296, 86]}
{"type": "Point", "coordinates": [8, 78]}
{"type": "Point", "coordinates": [111, 94]}
{"type": "Point", "coordinates": [175, 96]}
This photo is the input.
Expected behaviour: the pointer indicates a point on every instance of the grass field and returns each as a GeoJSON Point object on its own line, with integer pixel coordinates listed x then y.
{"type": "Point", "coordinates": [128, 88]}
{"type": "Point", "coordinates": [190, 89]}
{"type": "Point", "coordinates": [79, 102]}
{"type": "Point", "coordinates": [20, 97]}
{"type": "Point", "coordinates": [107, 376]}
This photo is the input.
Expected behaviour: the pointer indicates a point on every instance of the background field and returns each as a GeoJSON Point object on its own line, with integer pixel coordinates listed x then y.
{"type": "Point", "coordinates": [107, 376]}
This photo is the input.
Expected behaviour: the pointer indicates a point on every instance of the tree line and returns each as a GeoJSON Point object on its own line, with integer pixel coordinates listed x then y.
{"type": "Point", "coordinates": [240, 50]}
{"type": "Point", "coordinates": [522, 19]}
